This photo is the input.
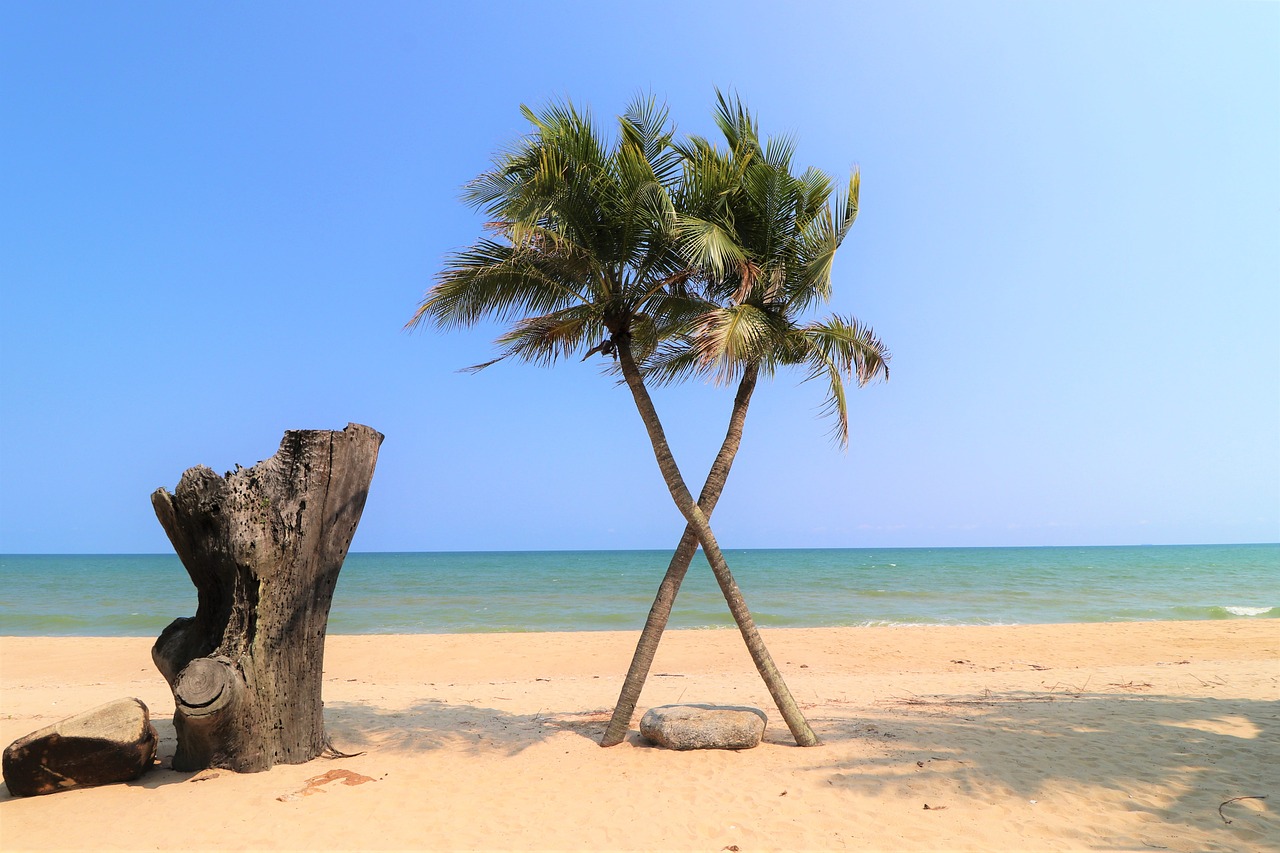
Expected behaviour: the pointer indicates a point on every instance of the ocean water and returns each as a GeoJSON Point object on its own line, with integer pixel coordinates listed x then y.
{"type": "Point", "coordinates": [377, 593]}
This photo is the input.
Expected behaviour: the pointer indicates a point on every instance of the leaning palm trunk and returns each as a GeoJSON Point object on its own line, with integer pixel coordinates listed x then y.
{"type": "Point", "coordinates": [697, 520]}
{"type": "Point", "coordinates": [660, 612]}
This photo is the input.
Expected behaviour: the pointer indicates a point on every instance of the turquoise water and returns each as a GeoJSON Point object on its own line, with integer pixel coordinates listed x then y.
{"type": "Point", "coordinates": [137, 595]}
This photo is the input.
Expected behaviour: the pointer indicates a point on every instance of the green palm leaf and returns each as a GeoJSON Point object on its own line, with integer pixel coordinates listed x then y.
{"type": "Point", "coordinates": [578, 220]}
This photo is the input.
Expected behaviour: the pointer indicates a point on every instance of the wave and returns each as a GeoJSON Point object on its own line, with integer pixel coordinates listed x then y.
{"type": "Point", "coordinates": [1248, 611]}
{"type": "Point", "coordinates": [1235, 611]}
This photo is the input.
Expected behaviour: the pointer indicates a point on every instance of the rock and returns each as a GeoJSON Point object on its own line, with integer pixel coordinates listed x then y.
{"type": "Point", "coordinates": [114, 742]}
{"type": "Point", "coordinates": [703, 726]}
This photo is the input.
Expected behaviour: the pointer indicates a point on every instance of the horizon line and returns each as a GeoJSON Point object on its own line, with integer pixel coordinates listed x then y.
{"type": "Point", "coordinates": [727, 550]}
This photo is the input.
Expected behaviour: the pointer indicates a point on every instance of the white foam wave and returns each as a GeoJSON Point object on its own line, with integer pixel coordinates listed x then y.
{"type": "Point", "coordinates": [1248, 611]}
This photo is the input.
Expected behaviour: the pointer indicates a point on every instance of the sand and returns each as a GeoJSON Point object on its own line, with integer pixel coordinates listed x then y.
{"type": "Point", "coordinates": [1133, 736]}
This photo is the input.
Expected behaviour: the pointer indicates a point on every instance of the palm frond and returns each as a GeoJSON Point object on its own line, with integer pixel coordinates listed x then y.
{"type": "Point", "coordinates": [835, 349]}
{"type": "Point", "coordinates": [726, 339]}
{"type": "Point", "coordinates": [546, 339]}
{"type": "Point", "coordinates": [491, 280]}
{"type": "Point", "coordinates": [708, 244]}
{"type": "Point", "coordinates": [778, 151]}
{"type": "Point", "coordinates": [836, 403]}
{"type": "Point", "coordinates": [851, 346]}
{"type": "Point", "coordinates": [645, 125]}
{"type": "Point", "coordinates": [736, 123]}
{"type": "Point", "coordinates": [814, 189]}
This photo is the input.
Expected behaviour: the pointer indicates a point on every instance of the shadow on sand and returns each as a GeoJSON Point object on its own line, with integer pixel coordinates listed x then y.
{"type": "Point", "coordinates": [431, 724]}
{"type": "Point", "coordinates": [1179, 760]}
{"type": "Point", "coordinates": [1175, 759]}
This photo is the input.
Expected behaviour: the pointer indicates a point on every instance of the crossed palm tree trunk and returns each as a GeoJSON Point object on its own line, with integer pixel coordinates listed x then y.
{"type": "Point", "coordinates": [697, 522]}
{"type": "Point", "coordinates": [660, 612]}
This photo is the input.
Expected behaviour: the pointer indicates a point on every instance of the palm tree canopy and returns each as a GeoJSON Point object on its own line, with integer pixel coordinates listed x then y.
{"type": "Point", "coordinates": [705, 258]}
{"type": "Point", "coordinates": [765, 239]}
{"type": "Point", "coordinates": [583, 244]}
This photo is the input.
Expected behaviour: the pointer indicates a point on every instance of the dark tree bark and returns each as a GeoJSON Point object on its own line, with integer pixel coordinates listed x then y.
{"type": "Point", "coordinates": [263, 546]}
{"type": "Point", "coordinates": [660, 612]}
{"type": "Point", "coordinates": [697, 519]}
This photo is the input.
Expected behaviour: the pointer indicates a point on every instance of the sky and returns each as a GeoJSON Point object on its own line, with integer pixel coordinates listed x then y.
{"type": "Point", "coordinates": [216, 218]}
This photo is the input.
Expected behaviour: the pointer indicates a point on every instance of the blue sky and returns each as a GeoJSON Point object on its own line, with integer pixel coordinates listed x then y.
{"type": "Point", "coordinates": [216, 218]}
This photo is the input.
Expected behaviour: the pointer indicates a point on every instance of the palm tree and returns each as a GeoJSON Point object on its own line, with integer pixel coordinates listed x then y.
{"type": "Point", "coordinates": [585, 257]}
{"type": "Point", "coordinates": [768, 238]}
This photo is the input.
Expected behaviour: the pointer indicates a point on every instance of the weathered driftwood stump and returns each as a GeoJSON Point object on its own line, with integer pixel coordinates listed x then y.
{"type": "Point", "coordinates": [263, 546]}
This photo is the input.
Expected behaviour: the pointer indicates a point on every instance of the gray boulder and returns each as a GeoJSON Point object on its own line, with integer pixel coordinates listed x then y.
{"type": "Point", "coordinates": [114, 742]}
{"type": "Point", "coordinates": [703, 726]}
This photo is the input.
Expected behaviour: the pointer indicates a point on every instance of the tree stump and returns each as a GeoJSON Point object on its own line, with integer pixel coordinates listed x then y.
{"type": "Point", "coordinates": [263, 547]}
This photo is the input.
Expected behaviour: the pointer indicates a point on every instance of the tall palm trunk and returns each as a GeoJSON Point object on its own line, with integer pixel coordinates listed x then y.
{"type": "Point", "coordinates": [660, 612]}
{"type": "Point", "coordinates": [697, 519]}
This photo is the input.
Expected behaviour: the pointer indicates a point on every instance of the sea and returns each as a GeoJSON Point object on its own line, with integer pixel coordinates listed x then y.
{"type": "Point", "coordinates": [507, 591]}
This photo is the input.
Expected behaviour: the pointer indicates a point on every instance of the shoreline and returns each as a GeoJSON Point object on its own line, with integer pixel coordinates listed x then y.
{"type": "Point", "coordinates": [1235, 619]}
{"type": "Point", "coordinates": [1119, 735]}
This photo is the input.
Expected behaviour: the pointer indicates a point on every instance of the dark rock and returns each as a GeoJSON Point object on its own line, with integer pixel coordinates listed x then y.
{"type": "Point", "coordinates": [114, 742]}
{"type": "Point", "coordinates": [703, 726]}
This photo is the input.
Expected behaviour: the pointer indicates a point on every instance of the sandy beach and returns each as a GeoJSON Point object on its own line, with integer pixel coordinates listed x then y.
{"type": "Point", "coordinates": [1116, 736]}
